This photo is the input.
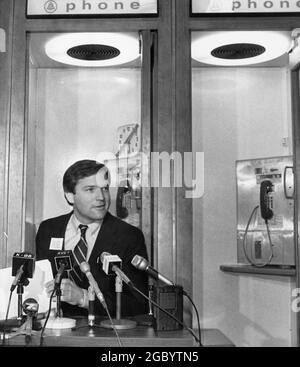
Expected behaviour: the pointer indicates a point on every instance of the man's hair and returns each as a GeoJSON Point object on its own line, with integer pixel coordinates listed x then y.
{"type": "Point", "coordinates": [78, 170]}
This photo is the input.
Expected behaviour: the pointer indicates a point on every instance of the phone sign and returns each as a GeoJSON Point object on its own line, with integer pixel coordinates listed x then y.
{"type": "Point", "coordinates": [245, 6]}
{"type": "Point", "coordinates": [39, 8]}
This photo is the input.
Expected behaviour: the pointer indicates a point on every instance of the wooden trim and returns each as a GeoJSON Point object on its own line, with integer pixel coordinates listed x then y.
{"type": "Point", "coordinates": [146, 122]}
{"type": "Point", "coordinates": [6, 22]}
{"type": "Point", "coordinates": [163, 142]}
{"type": "Point", "coordinates": [246, 23]}
{"type": "Point", "coordinates": [16, 139]}
{"type": "Point", "coordinates": [93, 25]}
{"type": "Point", "coordinates": [296, 158]}
{"type": "Point", "coordinates": [154, 137]}
{"type": "Point", "coordinates": [183, 143]}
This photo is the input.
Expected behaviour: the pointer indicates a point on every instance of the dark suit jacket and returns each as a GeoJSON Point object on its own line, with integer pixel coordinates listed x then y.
{"type": "Point", "coordinates": [115, 237]}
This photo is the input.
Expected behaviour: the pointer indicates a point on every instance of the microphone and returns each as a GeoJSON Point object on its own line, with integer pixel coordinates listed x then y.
{"type": "Point", "coordinates": [58, 275]}
{"type": "Point", "coordinates": [20, 272]}
{"type": "Point", "coordinates": [30, 307]}
{"type": "Point", "coordinates": [85, 268]}
{"type": "Point", "coordinates": [142, 264]}
{"type": "Point", "coordinates": [110, 264]}
{"type": "Point", "coordinates": [22, 268]}
{"type": "Point", "coordinates": [63, 261]}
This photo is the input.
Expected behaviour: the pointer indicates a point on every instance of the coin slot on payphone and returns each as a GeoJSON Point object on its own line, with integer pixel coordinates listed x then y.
{"type": "Point", "coordinates": [257, 247]}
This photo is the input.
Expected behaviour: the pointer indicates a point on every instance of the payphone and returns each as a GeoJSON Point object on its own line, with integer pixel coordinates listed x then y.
{"type": "Point", "coordinates": [265, 211]}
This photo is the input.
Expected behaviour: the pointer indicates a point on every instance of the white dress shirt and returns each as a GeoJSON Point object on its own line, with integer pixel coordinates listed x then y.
{"type": "Point", "coordinates": [72, 235]}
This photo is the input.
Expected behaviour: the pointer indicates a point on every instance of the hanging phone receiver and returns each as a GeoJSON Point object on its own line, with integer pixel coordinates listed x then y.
{"type": "Point", "coordinates": [123, 189]}
{"type": "Point", "coordinates": [265, 189]}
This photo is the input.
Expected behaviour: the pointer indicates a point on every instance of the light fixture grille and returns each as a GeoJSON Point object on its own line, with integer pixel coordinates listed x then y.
{"type": "Point", "coordinates": [93, 52]}
{"type": "Point", "coordinates": [237, 51]}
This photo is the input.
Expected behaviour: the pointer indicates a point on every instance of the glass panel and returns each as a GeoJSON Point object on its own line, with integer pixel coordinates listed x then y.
{"type": "Point", "coordinates": [82, 112]}
{"type": "Point", "coordinates": [242, 122]}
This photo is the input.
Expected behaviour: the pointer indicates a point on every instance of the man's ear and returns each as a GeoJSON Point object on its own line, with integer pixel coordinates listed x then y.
{"type": "Point", "coordinates": [69, 197]}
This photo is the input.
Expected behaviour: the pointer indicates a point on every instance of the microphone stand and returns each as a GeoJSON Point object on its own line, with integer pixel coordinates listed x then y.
{"type": "Point", "coordinates": [30, 307]}
{"type": "Point", "coordinates": [58, 301]}
{"type": "Point", "coordinates": [57, 321]}
{"type": "Point", "coordinates": [91, 313]}
{"type": "Point", "coordinates": [150, 295]}
{"type": "Point", "coordinates": [15, 323]}
{"type": "Point", "coordinates": [118, 322]}
{"type": "Point", "coordinates": [20, 291]}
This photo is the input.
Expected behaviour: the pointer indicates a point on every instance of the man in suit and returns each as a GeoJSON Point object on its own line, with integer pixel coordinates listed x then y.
{"type": "Point", "coordinates": [86, 189]}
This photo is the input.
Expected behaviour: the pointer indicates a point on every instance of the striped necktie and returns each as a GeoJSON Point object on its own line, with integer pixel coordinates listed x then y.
{"type": "Point", "coordinates": [80, 253]}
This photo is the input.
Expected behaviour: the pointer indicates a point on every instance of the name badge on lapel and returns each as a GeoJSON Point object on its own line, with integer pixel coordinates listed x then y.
{"type": "Point", "coordinates": [56, 243]}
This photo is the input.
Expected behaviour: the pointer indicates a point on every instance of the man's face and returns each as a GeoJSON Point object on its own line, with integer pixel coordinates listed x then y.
{"type": "Point", "coordinates": [91, 199]}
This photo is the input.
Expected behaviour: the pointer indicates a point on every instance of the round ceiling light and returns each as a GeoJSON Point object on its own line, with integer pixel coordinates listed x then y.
{"type": "Point", "coordinates": [93, 49]}
{"type": "Point", "coordinates": [237, 48]}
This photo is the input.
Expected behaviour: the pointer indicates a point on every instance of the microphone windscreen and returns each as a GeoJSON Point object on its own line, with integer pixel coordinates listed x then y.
{"type": "Point", "coordinates": [30, 305]}
{"type": "Point", "coordinates": [139, 262]}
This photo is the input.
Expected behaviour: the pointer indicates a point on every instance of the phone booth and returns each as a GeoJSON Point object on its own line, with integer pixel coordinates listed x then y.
{"type": "Point", "coordinates": [88, 93]}
{"type": "Point", "coordinates": [241, 58]}
{"type": "Point", "coordinates": [87, 80]}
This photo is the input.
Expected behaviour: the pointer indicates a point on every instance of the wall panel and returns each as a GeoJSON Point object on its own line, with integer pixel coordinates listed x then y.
{"type": "Point", "coordinates": [6, 23]}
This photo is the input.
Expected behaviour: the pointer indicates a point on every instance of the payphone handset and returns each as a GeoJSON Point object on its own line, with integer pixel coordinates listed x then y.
{"type": "Point", "coordinates": [123, 190]}
{"type": "Point", "coordinates": [266, 187]}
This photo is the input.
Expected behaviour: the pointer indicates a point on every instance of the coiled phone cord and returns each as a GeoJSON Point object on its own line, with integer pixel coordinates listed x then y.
{"type": "Point", "coordinates": [245, 242]}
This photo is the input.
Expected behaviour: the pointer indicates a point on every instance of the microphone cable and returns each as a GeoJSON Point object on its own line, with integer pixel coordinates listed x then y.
{"type": "Point", "coordinates": [136, 262]}
{"type": "Point", "coordinates": [6, 318]}
{"type": "Point", "coordinates": [197, 314]}
{"type": "Point", "coordinates": [48, 314]}
{"type": "Point", "coordinates": [85, 268]}
{"type": "Point", "coordinates": [169, 314]}
{"type": "Point", "coordinates": [113, 325]}
{"type": "Point", "coordinates": [47, 317]}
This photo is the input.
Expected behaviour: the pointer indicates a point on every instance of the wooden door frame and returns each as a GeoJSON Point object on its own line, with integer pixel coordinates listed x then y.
{"type": "Point", "coordinates": [295, 92]}
{"type": "Point", "coordinates": [6, 23]}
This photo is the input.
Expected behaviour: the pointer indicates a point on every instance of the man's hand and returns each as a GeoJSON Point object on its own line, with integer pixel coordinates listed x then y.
{"type": "Point", "coordinates": [70, 292]}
